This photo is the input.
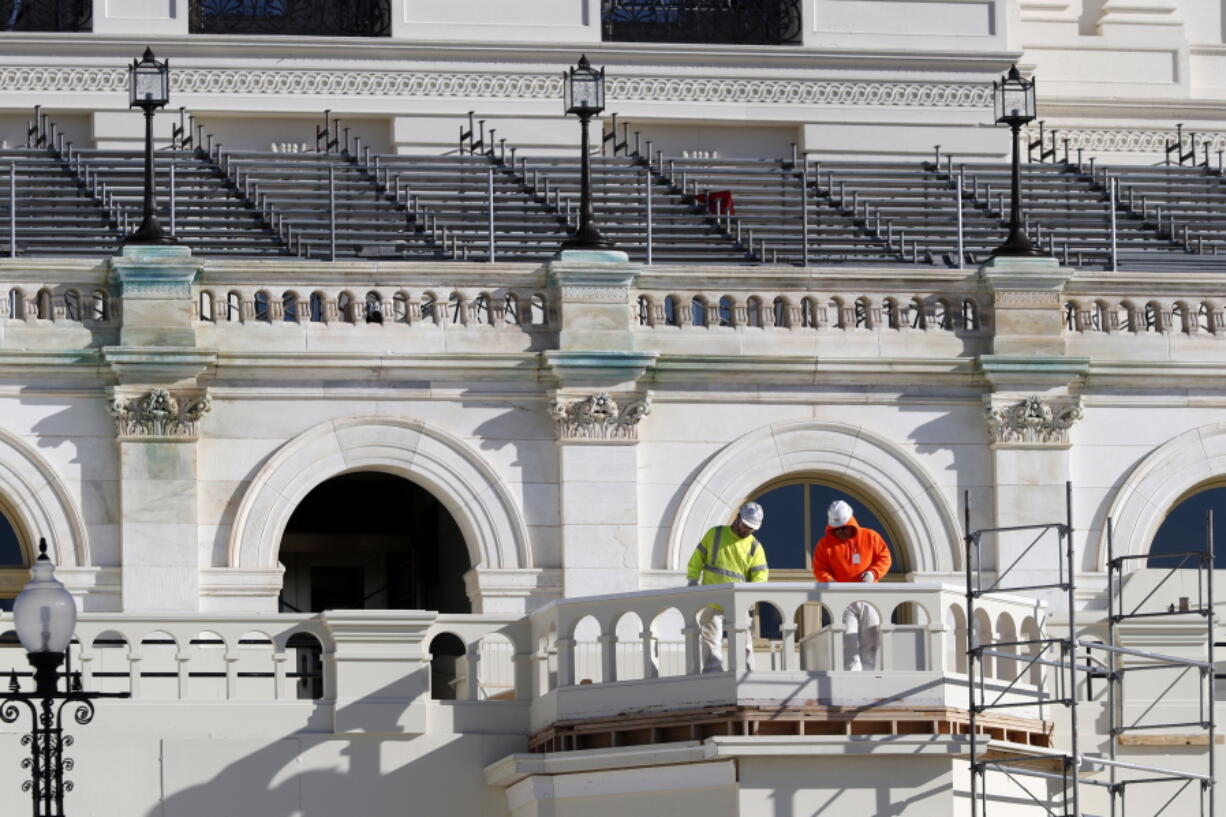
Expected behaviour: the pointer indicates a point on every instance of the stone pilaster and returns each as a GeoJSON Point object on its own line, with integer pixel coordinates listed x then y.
{"type": "Point", "coordinates": [598, 412]}
{"type": "Point", "coordinates": [158, 408]}
{"type": "Point", "coordinates": [1031, 408]}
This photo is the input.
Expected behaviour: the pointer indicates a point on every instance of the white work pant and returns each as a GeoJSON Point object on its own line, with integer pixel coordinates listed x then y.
{"type": "Point", "coordinates": [861, 633]}
{"type": "Point", "coordinates": [711, 639]}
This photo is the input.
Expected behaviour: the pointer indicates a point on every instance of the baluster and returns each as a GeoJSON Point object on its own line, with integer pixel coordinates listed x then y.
{"type": "Point", "coordinates": [182, 657]}
{"type": "Point", "coordinates": [693, 657]}
{"type": "Point", "coordinates": [608, 656]}
{"type": "Point", "coordinates": [472, 690]}
{"type": "Point", "coordinates": [787, 653]}
{"type": "Point", "coordinates": [281, 690]}
{"type": "Point", "coordinates": [651, 666]}
{"type": "Point", "coordinates": [566, 659]}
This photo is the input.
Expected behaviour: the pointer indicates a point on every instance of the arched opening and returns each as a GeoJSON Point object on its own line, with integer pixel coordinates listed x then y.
{"type": "Point", "coordinates": [13, 573]}
{"type": "Point", "coordinates": [1184, 529]}
{"type": "Point", "coordinates": [370, 540]}
{"type": "Point", "coordinates": [795, 519]}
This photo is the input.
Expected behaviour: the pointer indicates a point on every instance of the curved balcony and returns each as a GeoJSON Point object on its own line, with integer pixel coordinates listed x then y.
{"type": "Point", "coordinates": [585, 672]}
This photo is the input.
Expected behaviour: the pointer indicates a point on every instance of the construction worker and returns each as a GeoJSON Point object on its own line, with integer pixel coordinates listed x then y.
{"type": "Point", "coordinates": [727, 553]}
{"type": "Point", "coordinates": [850, 553]}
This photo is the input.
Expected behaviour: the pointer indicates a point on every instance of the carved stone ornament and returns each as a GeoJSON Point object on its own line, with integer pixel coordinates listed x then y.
{"type": "Point", "coordinates": [599, 417]}
{"type": "Point", "coordinates": [47, 80]}
{"type": "Point", "coordinates": [158, 414]}
{"type": "Point", "coordinates": [1033, 421]}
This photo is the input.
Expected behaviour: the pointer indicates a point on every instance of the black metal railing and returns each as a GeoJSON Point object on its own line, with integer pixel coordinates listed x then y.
{"type": "Point", "coordinates": [741, 22]}
{"type": "Point", "coordinates": [307, 18]}
{"type": "Point", "coordinates": [46, 15]}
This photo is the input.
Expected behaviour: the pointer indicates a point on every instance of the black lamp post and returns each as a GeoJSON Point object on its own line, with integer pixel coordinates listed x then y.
{"type": "Point", "coordinates": [1013, 98]}
{"type": "Point", "coordinates": [149, 89]}
{"type": "Point", "coordinates": [583, 95]}
{"type": "Point", "coordinates": [44, 615]}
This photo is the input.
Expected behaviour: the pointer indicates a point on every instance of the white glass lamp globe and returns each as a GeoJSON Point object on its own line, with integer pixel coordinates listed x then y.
{"type": "Point", "coordinates": [44, 612]}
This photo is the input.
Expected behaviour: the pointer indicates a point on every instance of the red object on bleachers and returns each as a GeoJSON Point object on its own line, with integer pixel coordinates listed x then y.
{"type": "Point", "coordinates": [717, 201]}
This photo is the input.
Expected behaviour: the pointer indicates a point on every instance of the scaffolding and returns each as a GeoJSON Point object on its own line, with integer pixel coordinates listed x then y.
{"type": "Point", "coordinates": [1067, 770]}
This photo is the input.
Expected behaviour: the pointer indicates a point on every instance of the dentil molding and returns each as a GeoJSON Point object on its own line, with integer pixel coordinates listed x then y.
{"type": "Point", "coordinates": [1033, 421]}
{"type": "Point", "coordinates": [518, 86]}
{"type": "Point", "coordinates": [598, 417]}
{"type": "Point", "coordinates": [157, 415]}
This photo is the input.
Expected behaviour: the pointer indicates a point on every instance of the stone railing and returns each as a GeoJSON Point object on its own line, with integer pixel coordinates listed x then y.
{"type": "Point", "coordinates": [800, 310]}
{"type": "Point", "coordinates": [648, 651]}
{"type": "Point", "coordinates": [574, 658]}
{"type": "Point", "coordinates": [1139, 315]}
{"type": "Point", "coordinates": [525, 308]}
{"type": "Point", "coordinates": [87, 305]}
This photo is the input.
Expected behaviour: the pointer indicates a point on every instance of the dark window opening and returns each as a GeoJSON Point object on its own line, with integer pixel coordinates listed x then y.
{"type": "Point", "coordinates": [373, 541]}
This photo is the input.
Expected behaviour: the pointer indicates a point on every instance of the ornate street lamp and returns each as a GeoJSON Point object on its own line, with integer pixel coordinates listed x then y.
{"type": "Point", "coordinates": [45, 615]}
{"type": "Point", "coordinates": [1013, 98]}
{"type": "Point", "coordinates": [583, 95]}
{"type": "Point", "coordinates": [149, 89]}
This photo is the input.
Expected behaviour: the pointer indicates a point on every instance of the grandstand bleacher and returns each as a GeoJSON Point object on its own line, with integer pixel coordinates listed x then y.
{"type": "Point", "coordinates": [342, 203]}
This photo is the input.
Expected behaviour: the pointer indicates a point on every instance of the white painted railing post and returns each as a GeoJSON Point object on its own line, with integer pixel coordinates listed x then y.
{"type": "Point", "coordinates": [608, 657]}
{"type": "Point", "coordinates": [651, 667]}
{"type": "Point", "coordinates": [787, 654]}
{"type": "Point", "coordinates": [472, 688]}
{"type": "Point", "coordinates": [566, 662]}
{"type": "Point", "coordinates": [281, 690]}
{"type": "Point", "coordinates": [182, 657]}
{"type": "Point", "coordinates": [693, 659]}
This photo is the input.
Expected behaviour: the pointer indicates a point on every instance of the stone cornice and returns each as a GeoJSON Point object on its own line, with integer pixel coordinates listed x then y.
{"type": "Point", "coordinates": [230, 48]}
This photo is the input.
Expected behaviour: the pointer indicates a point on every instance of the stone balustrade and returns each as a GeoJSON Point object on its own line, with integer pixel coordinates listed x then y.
{"type": "Point", "coordinates": [1140, 315]}
{"type": "Point", "coordinates": [572, 658]}
{"type": "Point", "coordinates": [922, 647]}
{"type": "Point", "coordinates": [526, 308]}
{"type": "Point", "coordinates": [799, 310]}
{"type": "Point", "coordinates": [84, 304]}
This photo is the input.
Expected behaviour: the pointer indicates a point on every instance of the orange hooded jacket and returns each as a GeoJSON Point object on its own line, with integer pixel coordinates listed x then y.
{"type": "Point", "coordinates": [837, 561]}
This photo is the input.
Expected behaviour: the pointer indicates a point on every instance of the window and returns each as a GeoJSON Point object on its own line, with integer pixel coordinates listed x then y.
{"type": "Point", "coordinates": [11, 557]}
{"type": "Point", "coordinates": [1183, 529]}
{"type": "Point", "coordinates": [795, 518]}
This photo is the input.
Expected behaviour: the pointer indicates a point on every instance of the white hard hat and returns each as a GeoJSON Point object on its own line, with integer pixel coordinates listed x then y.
{"type": "Point", "coordinates": [751, 515]}
{"type": "Point", "coordinates": [838, 514]}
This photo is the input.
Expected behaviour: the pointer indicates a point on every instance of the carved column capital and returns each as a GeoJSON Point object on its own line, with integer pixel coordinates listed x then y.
{"type": "Point", "coordinates": [1031, 422]}
{"type": "Point", "coordinates": [599, 417]}
{"type": "Point", "coordinates": [158, 415]}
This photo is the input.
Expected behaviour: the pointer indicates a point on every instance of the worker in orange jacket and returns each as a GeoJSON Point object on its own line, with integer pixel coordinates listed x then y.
{"type": "Point", "coordinates": [850, 553]}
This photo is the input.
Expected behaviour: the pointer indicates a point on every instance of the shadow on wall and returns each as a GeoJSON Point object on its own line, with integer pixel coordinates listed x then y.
{"type": "Point", "coordinates": [963, 434]}
{"type": "Point", "coordinates": [323, 775]}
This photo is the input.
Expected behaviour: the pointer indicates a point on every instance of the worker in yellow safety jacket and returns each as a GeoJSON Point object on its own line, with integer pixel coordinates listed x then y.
{"type": "Point", "coordinates": [727, 553]}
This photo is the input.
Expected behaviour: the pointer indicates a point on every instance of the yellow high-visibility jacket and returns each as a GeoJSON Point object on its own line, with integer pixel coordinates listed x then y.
{"type": "Point", "coordinates": [722, 557]}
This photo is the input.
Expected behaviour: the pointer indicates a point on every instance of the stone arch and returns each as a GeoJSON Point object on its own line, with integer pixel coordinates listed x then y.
{"type": "Point", "coordinates": [879, 469]}
{"type": "Point", "coordinates": [456, 475]}
{"type": "Point", "coordinates": [1156, 484]}
{"type": "Point", "coordinates": [34, 498]}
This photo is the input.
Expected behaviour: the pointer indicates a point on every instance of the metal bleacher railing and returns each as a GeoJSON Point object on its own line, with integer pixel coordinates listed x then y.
{"type": "Point", "coordinates": [488, 201]}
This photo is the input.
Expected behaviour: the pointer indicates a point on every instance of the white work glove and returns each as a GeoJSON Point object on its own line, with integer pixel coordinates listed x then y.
{"type": "Point", "coordinates": [867, 576]}
{"type": "Point", "coordinates": [692, 583]}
